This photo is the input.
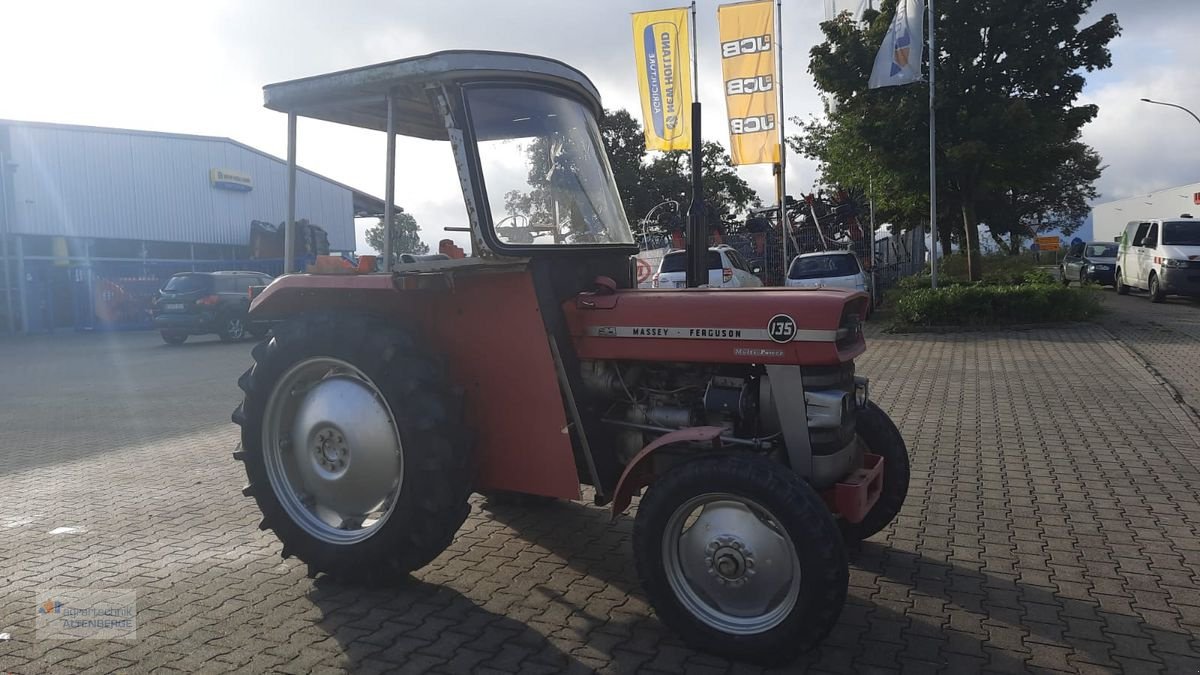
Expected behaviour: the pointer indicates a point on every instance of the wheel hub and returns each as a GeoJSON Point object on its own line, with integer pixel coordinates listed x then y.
{"type": "Point", "coordinates": [730, 563]}
{"type": "Point", "coordinates": [330, 450]}
{"type": "Point", "coordinates": [729, 560]}
{"type": "Point", "coordinates": [334, 456]}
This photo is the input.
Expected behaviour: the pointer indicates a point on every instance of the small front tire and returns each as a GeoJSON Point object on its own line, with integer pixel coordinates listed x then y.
{"type": "Point", "coordinates": [741, 557]}
{"type": "Point", "coordinates": [1122, 289]}
{"type": "Point", "coordinates": [882, 438]}
{"type": "Point", "coordinates": [172, 338]}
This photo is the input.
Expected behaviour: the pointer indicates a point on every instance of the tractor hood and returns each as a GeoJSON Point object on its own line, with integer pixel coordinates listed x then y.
{"type": "Point", "coordinates": [794, 326]}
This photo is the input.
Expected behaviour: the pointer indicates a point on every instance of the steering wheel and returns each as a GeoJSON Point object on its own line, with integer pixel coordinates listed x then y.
{"type": "Point", "coordinates": [517, 220]}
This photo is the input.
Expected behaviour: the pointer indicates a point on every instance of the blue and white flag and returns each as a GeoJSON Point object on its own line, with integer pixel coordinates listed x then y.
{"type": "Point", "coordinates": [899, 58]}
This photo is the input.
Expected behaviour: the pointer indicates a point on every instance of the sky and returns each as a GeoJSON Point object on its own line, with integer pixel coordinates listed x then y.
{"type": "Point", "coordinates": [199, 68]}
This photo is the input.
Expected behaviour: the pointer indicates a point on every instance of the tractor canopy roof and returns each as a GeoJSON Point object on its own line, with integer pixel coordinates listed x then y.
{"type": "Point", "coordinates": [358, 97]}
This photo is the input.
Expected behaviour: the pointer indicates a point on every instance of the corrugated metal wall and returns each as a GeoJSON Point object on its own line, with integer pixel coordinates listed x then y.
{"type": "Point", "coordinates": [83, 182]}
{"type": "Point", "coordinates": [1109, 219]}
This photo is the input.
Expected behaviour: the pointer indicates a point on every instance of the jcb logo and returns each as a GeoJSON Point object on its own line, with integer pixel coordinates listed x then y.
{"type": "Point", "coordinates": [781, 328]}
{"type": "Point", "coordinates": [749, 85]}
{"type": "Point", "coordinates": [750, 45]}
{"type": "Point", "coordinates": [751, 125]}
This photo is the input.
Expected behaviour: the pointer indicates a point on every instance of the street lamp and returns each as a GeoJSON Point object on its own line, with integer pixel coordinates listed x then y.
{"type": "Point", "coordinates": [1172, 105]}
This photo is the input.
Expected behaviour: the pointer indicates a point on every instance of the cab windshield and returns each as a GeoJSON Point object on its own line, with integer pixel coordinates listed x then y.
{"type": "Point", "coordinates": [545, 172]}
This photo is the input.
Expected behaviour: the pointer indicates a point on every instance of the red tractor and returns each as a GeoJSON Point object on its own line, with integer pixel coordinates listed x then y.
{"type": "Point", "coordinates": [384, 400]}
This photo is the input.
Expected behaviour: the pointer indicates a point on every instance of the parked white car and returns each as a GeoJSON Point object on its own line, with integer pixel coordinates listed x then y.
{"type": "Point", "coordinates": [827, 269]}
{"type": "Point", "coordinates": [1160, 256]}
{"type": "Point", "coordinates": [726, 269]}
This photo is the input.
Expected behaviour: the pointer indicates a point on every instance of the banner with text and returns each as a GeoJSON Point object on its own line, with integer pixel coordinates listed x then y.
{"type": "Point", "coordinates": [747, 33]}
{"type": "Point", "coordinates": [660, 46]}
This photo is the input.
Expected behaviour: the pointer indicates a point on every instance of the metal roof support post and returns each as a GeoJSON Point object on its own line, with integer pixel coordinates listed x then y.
{"type": "Point", "coordinates": [21, 290]}
{"type": "Point", "coordinates": [5, 215]}
{"type": "Point", "coordinates": [289, 232]}
{"type": "Point", "coordinates": [389, 197]}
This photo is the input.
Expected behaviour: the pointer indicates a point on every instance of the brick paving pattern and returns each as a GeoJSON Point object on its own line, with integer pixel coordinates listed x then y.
{"type": "Point", "coordinates": [1051, 525]}
{"type": "Point", "coordinates": [1165, 336]}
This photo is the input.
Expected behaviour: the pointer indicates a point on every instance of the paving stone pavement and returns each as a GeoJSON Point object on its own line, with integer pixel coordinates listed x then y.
{"type": "Point", "coordinates": [1166, 336]}
{"type": "Point", "coordinates": [1051, 526]}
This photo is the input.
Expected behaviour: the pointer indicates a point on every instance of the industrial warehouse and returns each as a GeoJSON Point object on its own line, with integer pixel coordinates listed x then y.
{"type": "Point", "coordinates": [93, 220]}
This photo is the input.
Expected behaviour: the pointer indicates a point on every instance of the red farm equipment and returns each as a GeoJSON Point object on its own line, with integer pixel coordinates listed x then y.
{"type": "Point", "coordinates": [534, 365]}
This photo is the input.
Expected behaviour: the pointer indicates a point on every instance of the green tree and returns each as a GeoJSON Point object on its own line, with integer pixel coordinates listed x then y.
{"type": "Point", "coordinates": [1009, 75]}
{"type": "Point", "coordinates": [642, 184]}
{"type": "Point", "coordinates": [406, 235]}
{"type": "Point", "coordinates": [668, 177]}
{"type": "Point", "coordinates": [626, 146]}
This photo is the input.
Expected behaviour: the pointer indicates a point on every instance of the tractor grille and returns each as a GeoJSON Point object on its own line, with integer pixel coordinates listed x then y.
{"type": "Point", "coordinates": [826, 378]}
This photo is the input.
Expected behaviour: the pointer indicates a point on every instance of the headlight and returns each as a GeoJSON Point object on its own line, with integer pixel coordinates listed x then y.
{"type": "Point", "coordinates": [1167, 262]}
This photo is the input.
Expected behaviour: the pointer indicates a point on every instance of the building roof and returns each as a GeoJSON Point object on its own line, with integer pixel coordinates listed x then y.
{"type": "Point", "coordinates": [365, 204]}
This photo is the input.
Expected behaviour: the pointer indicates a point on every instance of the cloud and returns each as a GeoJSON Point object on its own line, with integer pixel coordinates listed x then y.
{"type": "Point", "coordinates": [199, 68]}
{"type": "Point", "coordinates": [1147, 147]}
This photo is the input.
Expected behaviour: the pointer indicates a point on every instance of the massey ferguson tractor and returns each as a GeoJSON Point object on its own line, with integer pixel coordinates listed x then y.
{"type": "Point", "coordinates": [534, 365]}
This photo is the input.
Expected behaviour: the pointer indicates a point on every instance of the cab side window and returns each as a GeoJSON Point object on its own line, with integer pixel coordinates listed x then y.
{"type": "Point", "coordinates": [1140, 235]}
{"type": "Point", "coordinates": [1151, 239]}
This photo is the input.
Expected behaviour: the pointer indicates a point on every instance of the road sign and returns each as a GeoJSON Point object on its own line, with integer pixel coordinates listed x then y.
{"type": "Point", "coordinates": [1048, 243]}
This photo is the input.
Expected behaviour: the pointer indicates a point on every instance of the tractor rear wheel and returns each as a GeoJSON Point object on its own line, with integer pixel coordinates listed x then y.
{"type": "Point", "coordinates": [741, 557]}
{"type": "Point", "coordinates": [353, 446]}
{"type": "Point", "coordinates": [882, 438]}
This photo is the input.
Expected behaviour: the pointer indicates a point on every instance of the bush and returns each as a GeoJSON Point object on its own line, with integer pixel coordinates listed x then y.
{"type": "Point", "coordinates": [1036, 301]}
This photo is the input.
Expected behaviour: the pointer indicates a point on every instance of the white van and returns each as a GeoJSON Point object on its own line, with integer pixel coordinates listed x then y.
{"type": "Point", "coordinates": [1160, 256]}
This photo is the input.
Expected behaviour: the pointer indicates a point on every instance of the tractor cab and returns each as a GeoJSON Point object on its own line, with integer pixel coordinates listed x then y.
{"type": "Point", "coordinates": [534, 365]}
{"type": "Point", "coordinates": [523, 132]}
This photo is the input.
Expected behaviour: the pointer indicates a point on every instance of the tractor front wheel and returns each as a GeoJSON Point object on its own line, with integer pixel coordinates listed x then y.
{"type": "Point", "coordinates": [353, 446]}
{"type": "Point", "coordinates": [882, 438]}
{"type": "Point", "coordinates": [741, 557]}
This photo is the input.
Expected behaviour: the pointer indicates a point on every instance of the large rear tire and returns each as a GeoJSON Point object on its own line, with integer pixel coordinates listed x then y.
{"type": "Point", "coordinates": [882, 438]}
{"type": "Point", "coordinates": [741, 557]}
{"type": "Point", "coordinates": [353, 446]}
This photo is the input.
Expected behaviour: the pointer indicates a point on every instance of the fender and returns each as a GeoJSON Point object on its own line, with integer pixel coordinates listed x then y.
{"type": "Point", "coordinates": [639, 472]}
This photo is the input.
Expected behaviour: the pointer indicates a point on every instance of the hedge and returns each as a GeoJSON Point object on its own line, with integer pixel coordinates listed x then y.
{"type": "Point", "coordinates": [1034, 301]}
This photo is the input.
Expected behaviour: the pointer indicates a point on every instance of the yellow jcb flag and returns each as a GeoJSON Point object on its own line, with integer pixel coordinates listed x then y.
{"type": "Point", "coordinates": [660, 45]}
{"type": "Point", "coordinates": [747, 33]}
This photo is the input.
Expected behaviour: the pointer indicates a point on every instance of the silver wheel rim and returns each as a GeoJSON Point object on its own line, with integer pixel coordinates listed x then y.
{"type": "Point", "coordinates": [234, 328]}
{"type": "Point", "coordinates": [332, 452]}
{"type": "Point", "coordinates": [731, 564]}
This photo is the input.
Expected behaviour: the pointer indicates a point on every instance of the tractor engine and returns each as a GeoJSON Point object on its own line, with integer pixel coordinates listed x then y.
{"type": "Point", "coordinates": [647, 399]}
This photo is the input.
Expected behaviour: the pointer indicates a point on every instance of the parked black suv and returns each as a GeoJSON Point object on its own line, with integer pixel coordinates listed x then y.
{"type": "Point", "coordinates": [199, 303]}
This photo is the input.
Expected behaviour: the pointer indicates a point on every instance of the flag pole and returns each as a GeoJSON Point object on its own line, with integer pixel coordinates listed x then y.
{"type": "Point", "coordinates": [697, 245]}
{"type": "Point", "coordinates": [933, 262]}
{"type": "Point", "coordinates": [781, 181]}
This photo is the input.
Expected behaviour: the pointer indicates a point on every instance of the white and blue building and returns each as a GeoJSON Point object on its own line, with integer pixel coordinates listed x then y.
{"type": "Point", "coordinates": [93, 219]}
